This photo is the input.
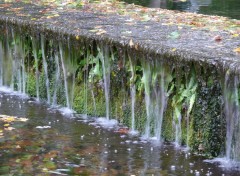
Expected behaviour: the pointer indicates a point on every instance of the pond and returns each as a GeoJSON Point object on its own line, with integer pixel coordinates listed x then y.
{"type": "Point", "coordinates": [228, 8]}
{"type": "Point", "coordinates": [36, 139]}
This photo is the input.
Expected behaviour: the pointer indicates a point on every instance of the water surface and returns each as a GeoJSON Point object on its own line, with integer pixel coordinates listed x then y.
{"type": "Point", "coordinates": [228, 8]}
{"type": "Point", "coordinates": [51, 143]}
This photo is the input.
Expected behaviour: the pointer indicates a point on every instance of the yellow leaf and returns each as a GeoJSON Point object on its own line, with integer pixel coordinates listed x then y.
{"type": "Point", "coordinates": [174, 49]}
{"type": "Point", "coordinates": [237, 50]}
{"type": "Point", "coordinates": [235, 35]}
{"type": "Point", "coordinates": [6, 125]}
{"type": "Point", "coordinates": [77, 37]}
{"type": "Point", "coordinates": [9, 119]}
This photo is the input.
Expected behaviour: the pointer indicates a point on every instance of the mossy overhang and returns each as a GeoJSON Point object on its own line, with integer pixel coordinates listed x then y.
{"type": "Point", "coordinates": [172, 43]}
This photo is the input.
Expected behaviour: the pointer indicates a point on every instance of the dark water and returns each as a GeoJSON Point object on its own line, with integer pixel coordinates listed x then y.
{"type": "Point", "coordinates": [228, 8]}
{"type": "Point", "coordinates": [73, 146]}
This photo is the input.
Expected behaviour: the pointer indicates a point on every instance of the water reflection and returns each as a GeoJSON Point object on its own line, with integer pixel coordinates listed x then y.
{"type": "Point", "coordinates": [229, 8]}
{"type": "Point", "coordinates": [74, 146]}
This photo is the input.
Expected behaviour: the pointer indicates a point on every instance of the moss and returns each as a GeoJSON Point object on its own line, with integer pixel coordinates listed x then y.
{"type": "Point", "coordinates": [31, 85]}
{"type": "Point", "coordinates": [207, 124]}
{"type": "Point", "coordinates": [167, 128]}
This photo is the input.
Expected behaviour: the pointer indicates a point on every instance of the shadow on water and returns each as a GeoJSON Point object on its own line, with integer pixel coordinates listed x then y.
{"type": "Point", "coordinates": [228, 8]}
{"type": "Point", "coordinates": [50, 143]}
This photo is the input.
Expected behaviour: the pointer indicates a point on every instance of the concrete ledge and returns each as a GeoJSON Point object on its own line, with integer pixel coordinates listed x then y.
{"type": "Point", "coordinates": [149, 38]}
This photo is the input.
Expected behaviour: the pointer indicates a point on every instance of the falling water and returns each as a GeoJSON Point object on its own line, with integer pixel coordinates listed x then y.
{"type": "Point", "coordinates": [231, 110]}
{"type": "Point", "coordinates": [18, 64]}
{"type": "Point", "coordinates": [57, 79]}
{"type": "Point", "coordinates": [7, 66]}
{"type": "Point", "coordinates": [1, 64]}
{"type": "Point", "coordinates": [23, 75]}
{"type": "Point", "coordinates": [35, 55]}
{"type": "Point", "coordinates": [146, 80]}
{"type": "Point", "coordinates": [178, 130]}
{"type": "Point", "coordinates": [133, 94]}
{"type": "Point", "coordinates": [133, 99]}
{"type": "Point", "coordinates": [65, 76]}
{"type": "Point", "coordinates": [104, 57]}
{"type": "Point", "coordinates": [45, 68]}
{"type": "Point", "coordinates": [69, 67]}
{"type": "Point", "coordinates": [86, 82]}
{"type": "Point", "coordinates": [159, 106]}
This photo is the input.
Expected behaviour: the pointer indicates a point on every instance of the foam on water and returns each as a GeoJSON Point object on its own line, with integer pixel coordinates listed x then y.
{"type": "Point", "coordinates": [43, 127]}
{"type": "Point", "coordinates": [105, 123]}
{"type": "Point", "coordinates": [133, 132]}
{"type": "Point", "coordinates": [66, 111]}
{"type": "Point", "coordinates": [10, 91]}
{"type": "Point", "coordinates": [225, 163]}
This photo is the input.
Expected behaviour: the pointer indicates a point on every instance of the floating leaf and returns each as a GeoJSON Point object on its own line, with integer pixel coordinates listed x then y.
{"type": "Point", "coordinates": [101, 31]}
{"type": "Point", "coordinates": [218, 38]}
{"type": "Point", "coordinates": [235, 35]}
{"type": "Point", "coordinates": [6, 125]}
{"type": "Point", "coordinates": [237, 50]}
{"type": "Point", "coordinates": [94, 30]}
{"type": "Point", "coordinates": [9, 128]}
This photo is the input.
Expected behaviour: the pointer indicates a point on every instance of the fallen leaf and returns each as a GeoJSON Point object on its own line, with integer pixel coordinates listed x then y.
{"type": "Point", "coordinates": [235, 35]}
{"type": "Point", "coordinates": [237, 50]}
{"type": "Point", "coordinates": [122, 131]}
{"type": "Point", "coordinates": [6, 125]}
{"type": "Point", "coordinates": [218, 38]}
{"type": "Point", "coordinates": [100, 32]}
{"type": "Point", "coordinates": [174, 49]}
{"type": "Point", "coordinates": [9, 128]}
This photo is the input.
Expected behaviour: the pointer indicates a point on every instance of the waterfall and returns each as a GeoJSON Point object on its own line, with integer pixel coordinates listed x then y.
{"type": "Point", "coordinates": [160, 105]}
{"type": "Point", "coordinates": [133, 100]}
{"type": "Point", "coordinates": [35, 55]}
{"type": "Point", "coordinates": [45, 68]}
{"type": "Point", "coordinates": [231, 111]}
{"type": "Point", "coordinates": [23, 74]}
{"type": "Point", "coordinates": [105, 59]}
{"type": "Point", "coordinates": [146, 81]}
{"type": "Point", "coordinates": [1, 64]}
{"type": "Point", "coordinates": [178, 130]}
{"type": "Point", "coordinates": [69, 67]}
{"type": "Point", "coordinates": [133, 94]}
{"type": "Point", "coordinates": [65, 77]}
{"type": "Point", "coordinates": [57, 79]}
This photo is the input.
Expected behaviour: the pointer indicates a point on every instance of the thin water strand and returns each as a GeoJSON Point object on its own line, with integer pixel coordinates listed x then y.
{"type": "Point", "coordinates": [104, 57]}
{"type": "Point", "coordinates": [45, 69]}
{"type": "Point", "coordinates": [35, 55]}
{"type": "Point", "coordinates": [65, 76]}
{"type": "Point", "coordinates": [57, 79]}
